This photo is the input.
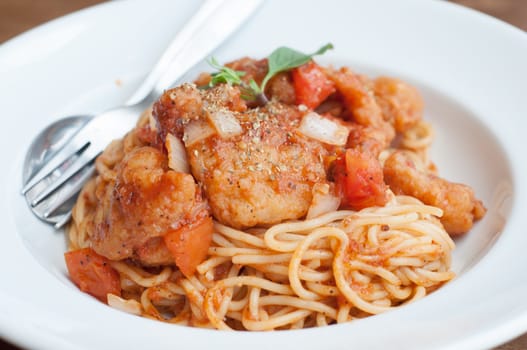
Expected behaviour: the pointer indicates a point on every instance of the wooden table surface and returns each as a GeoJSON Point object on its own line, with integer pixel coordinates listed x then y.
{"type": "Point", "coordinates": [17, 16]}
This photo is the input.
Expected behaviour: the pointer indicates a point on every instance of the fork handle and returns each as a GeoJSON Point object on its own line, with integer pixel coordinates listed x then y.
{"type": "Point", "coordinates": [205, 31]}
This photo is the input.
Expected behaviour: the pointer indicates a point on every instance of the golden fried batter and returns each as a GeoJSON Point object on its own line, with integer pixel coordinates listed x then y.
{"type": "Point", "coordinates": [362, 108]}
{"type": "Point", "coordinates": [401, 103]}
{"type": "Point", "coordinates": [144, 202]}
{"type": "Point", "coordinates": [459, 205]}
{"type": "Point", "coordinates": [261, 176]}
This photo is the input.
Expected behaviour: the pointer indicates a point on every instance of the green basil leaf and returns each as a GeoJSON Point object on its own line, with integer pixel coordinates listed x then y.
{"type": "Point", "coordinates": [281, 59]}
{"type": "Point", "coordinates": [285, 58]}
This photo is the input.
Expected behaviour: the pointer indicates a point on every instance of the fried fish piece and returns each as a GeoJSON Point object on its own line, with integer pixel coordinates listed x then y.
{"type": "Point", "coordinates": [460, 206]}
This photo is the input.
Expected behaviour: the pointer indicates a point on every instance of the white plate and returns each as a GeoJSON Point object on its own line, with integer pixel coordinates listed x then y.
{"type": "Point", "coordinates": [472, 72]}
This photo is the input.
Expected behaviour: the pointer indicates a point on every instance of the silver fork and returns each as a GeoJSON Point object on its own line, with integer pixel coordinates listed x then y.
{"type": "Point", "coordinates": [52, 189]}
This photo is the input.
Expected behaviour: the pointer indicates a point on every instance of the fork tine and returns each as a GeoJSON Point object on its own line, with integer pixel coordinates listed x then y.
{"type": "Point", "coordinates": [72, 188]}
{"type": "Point", "coordinates": [63, 220]}
{"type": "Point", "coordinates": [84, 158]}
{"type": "Point", "coordinates": [58, 159]}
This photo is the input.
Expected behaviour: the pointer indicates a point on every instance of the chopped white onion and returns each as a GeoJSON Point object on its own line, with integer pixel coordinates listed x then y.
{"type": "Point", "coordinates": [131, 306]}
{"type": "Point", "coordinates": [197, 130]}
{"type": "Point", "coordinates": [225, 123]}
{"type": "Point", "coordinates": [324, 201]}
{"type": "Point", "coordinates": [323, 129]}
{"type": "Point", "coordinates": [151, 120]}
{"type": "Point", "coordinates": [177, 155]}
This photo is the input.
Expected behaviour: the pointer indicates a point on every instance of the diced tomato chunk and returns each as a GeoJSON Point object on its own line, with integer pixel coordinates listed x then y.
{"type": "Point", "coordinates": [92, 273]}
{"type": "Point", "coordinates": [312, 86]}
{"type": "Point", "coordinates": [359, 180]}
{"type": "Point", "coordinates": [189, 244]}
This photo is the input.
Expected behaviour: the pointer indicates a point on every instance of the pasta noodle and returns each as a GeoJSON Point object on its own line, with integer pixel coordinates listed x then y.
{"type": "Point", "coordinates": [337, 267]}
{"type": "Point", "coordinates": [275, 293]}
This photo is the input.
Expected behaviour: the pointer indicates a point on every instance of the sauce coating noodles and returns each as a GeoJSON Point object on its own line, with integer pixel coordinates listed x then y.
{"type": "Point", "coordinates": [338, 265]}
{"type": "Point", "coordinates": [334, 268]}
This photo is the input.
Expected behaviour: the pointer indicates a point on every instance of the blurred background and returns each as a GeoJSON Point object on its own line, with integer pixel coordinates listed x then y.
{"type": "Point", "coordinates": [17, 16]}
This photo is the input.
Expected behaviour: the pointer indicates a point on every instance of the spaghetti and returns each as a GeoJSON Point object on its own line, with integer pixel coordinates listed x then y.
{"type": "Point", "coordinates": [337, 266]}
{"type": "Point", "coordinates": [334, 268]}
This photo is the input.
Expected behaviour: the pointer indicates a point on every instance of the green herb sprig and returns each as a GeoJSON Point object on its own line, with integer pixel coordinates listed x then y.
{"type": "Point", "coordinates": [282, 59]}
{"type": "Point", "coordinates": [225, 74]}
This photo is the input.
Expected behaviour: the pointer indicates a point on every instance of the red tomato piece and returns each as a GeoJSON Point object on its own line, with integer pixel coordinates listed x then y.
{"type": "Point", "coordinates": [92, 273]}
{"type": "Point", "coordinates": [312, 86]}
{"type": "Point", "coordinates": [189, 244]}
{"type": "Point", "coordinates": [359, 180]}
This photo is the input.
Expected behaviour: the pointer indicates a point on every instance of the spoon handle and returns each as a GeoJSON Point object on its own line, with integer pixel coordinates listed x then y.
{"type": "Point", "coordinates": [207, 29]}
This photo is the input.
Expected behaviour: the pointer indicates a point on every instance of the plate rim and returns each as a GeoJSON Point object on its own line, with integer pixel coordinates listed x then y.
{"type": "Point", "coordinates": [507, 329]}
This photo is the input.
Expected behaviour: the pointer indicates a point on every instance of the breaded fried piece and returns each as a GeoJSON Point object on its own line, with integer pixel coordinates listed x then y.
{"type": "Point", "coordinates": [401, 103]}
{"type": "Point", "coordinates": [362, 107]}
{"type": "Point", "coordinates": [145, 201]}
{"type": "Point", "coordinates": [260, 176]}
{"type": "Point", "coordinates": [458, 202]}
